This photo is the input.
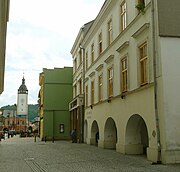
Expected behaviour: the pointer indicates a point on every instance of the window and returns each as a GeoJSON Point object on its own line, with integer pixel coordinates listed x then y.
{"type": "Point", "coordinates": [80, 86]}
{"type": "Point", "coordinates": [92, 53]}
{"type": "Point", "coordinates": [124, 74]}
{"type": "Point", "coordinates": [123, 15]}
{"type": "Point", "coordinates": [86, 60]}
{"type": "Point", "coordinates": [141, 2]}
{"type": "Point", "coordinates": [92, 92]}
{"type": "Point", "coordinates": [86, 95]}
{"type": "Point", "coordinates": [80, 57]}
{"type": "Point", "coordinates": [100, 87]}
{"type": "Point", "coordinates": [109, 32]}
{"type": "Point", "coordinates": [100, 43]}
{"type": "Point", "coordinates": [110, 82]}
{"type": "Point", "coordinates": [143, 63]}
{"type": "Point", "coordinates": [75, 90]}
{"type": "Point", "coordinates": [75, 64]}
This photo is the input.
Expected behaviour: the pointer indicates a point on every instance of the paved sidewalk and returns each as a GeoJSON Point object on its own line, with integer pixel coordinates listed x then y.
{"type": "Point", "coordinates": [25, 155]}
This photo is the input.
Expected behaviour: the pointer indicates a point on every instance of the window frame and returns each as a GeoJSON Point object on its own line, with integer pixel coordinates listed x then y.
{"type": "Point", "coordinates": [100, 42]}
{"type": "Point", "coordinates": [143, 63]}
{"type": "Point", "coordinates": [92, 53]}
{"type": "Point", "coordinates": [123, 15]}
{"type": "Point", "coordinates": [100, 87]}
{"type": "Point", "coordinates": [92, 92]}
{"type": "Point", "coordinates": [110, 32]}
{"type": "Point", "coordinates": [124, 74]}
{"type": "Point", "coordinates": [87, 95]}
{"type": "Point", "coordinates": [86, 60]}
{"type": "Point", "coordinates": [110, 81]}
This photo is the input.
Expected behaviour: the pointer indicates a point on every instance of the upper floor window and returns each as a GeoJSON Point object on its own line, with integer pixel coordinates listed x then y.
{"type": "Point", "coordinates": [75, 64]}
{"type": "Point", "coordinates": [109, 32]}
{"type": "Point", "coordinates": [123, 15]}
{"type": "Point", "coordinates": [80, 57]}
{"type": "Point", "coordinates": [124, 75]}
{"type": "Point", "coordinates": [143, 63]}
{"type": "Point", "coordinates": [110, 82]}
{"type": "Point", "coordinates": [86, 60]}
{"type": "Point", "coordinates": [100, 43]}
{"type": "Point", "coordinates": [92, 92]}
{"type": "Point", "coordinates": [80, 86]}
{"type": "Point", "coordinates": [75, 90]}
{"type": "Point", "coordinates": [86, 95]}
{"type": "Point", "coordinates": [100, 84]}
{"type": "Point", "coordinates": [92, 53]}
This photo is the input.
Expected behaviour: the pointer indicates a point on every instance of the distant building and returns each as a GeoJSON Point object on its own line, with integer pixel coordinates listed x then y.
{"type": "Point", "coordinates": [4, 17]}
{"type": "Point", "coordinates": [54, 97]}
{"type": "Point", "coordinates": [10, 120]}
{"type": "Point", "coordinates": [22, 103]}
{"type": "Point", "coordinates": [131, 63]}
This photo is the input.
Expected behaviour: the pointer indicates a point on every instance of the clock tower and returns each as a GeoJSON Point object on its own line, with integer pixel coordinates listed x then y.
{"type": "Point", "coordinates": [22, 100]}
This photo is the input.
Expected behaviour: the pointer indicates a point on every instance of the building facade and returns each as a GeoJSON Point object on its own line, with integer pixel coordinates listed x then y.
{"type": "Point", "coordinates": [54, 97]}
{"type": "Point", "coordinates": [76, 106]}
{"type": "Point", "coordinates": [11, 121]}
{"type": "Point", "coordinates": [4, 17]}
{"type": "Point", "coordinates": [130, 80]}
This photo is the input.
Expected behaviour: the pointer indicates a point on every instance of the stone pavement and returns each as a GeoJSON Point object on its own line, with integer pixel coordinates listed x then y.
{"type": "Point", "coordinates": [25, 155]}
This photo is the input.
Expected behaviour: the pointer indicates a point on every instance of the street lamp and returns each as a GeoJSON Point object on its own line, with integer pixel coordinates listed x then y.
{"type": "Point", "coordinates": [83, 78]}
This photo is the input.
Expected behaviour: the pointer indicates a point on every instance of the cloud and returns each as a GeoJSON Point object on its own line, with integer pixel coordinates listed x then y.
{"type": "Point", "coordinates": [40, 35]}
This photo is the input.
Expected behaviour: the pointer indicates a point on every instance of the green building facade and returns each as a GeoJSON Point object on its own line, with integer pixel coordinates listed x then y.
{"type": "Point", "coordinates": [57, 93]}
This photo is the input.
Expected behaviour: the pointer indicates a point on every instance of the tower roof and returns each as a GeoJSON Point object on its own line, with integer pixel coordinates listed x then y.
{"type": "Point", "coordinates": [23, 89]}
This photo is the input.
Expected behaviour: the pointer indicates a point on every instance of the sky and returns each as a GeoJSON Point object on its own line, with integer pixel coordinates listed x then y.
{"type": "Point", "coordinates": [40, 34]}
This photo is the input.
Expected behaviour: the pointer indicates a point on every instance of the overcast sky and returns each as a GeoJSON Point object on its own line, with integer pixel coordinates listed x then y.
{"type": "Point", "coordinates": [40, 35]}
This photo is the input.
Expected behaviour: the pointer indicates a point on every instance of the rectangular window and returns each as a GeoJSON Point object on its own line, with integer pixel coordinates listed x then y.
{"type": "Point", "coordinates": [100, 87]}
{"type": "Point", "coordinates": [110, 82]}
{"type": "Point", "coordinates": [92, 53]}
{"type": "Point", "coordinates": [92, 92]}
{"type": "Point", "coordinates": [75, 90]}
{"type": "Point", "coordinates": [86, 60]}
{"type": "Point", "coordinates": [100, 43]}
{"type": "Point", "coordinates": [141, 2]}
{"type": "Point", "coordinates": [80, 86]}
{"type": "Point", "coordinates": [124, 74]}
{"type": "Point", "coordinates": [80, 57]}
{"type": "Point", "coordinates": [86, 95]}
{"type": "Point", "coordinates": [75, 64]}
{"type": "Point", "coordinates": [109, 32]}
{"type": "Point", "coordinates": [143, 63]}
{"type": "Point", "coordinates": [123, 15]}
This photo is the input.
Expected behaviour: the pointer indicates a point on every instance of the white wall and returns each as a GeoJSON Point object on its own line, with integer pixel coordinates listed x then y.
{"type": "Point", "coordinates": [170, 58]}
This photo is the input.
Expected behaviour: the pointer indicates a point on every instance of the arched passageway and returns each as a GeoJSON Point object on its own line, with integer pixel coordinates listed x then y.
{"type": "Point", "coordinates": [110, 134]}
{"type": "Point", "coordinates": [94, 133]}
{"type": "Point", "coordinates": [137, 139]}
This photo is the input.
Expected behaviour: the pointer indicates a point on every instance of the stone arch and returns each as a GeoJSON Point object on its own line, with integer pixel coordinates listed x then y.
{"type": "Point", "coordinates": [110, 134]}
{"type": "Point", "coordinates": [136, 137]}
{"type": "Point", "coordinates": [94, 133]}
{"type": "Point", "coordinates": [85, 131]}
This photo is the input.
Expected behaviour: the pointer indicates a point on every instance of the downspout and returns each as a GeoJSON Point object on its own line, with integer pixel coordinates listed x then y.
{"type": "Point", "coordinates": [155, 80]}
{"type": "Point", "coordinates": [83, 105]}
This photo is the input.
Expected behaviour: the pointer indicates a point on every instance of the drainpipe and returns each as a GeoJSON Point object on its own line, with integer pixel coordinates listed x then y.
{"type": "Point", "coordinates": [83, 106]}
{"type": "Point", "coordinates": [155, 80]}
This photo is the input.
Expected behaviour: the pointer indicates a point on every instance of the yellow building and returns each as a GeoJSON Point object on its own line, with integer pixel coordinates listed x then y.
{"type": "Point", "coordinates": [41, 111]}
{"type": "Point", "coordinates": [131, 62]}
{"type": "Point", "coordinates": [4, 17]}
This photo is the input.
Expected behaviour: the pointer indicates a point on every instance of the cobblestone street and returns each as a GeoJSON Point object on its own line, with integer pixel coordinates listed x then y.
{"type": "Point", "coordinates": [25, 155]}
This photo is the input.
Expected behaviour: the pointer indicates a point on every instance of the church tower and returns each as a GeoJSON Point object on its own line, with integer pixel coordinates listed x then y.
{"type": "Point", "coordinates": [22, 99]}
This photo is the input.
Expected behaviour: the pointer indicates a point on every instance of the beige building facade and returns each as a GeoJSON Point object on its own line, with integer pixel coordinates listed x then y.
{"type": "Point", "coordinates": [131, 60]}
